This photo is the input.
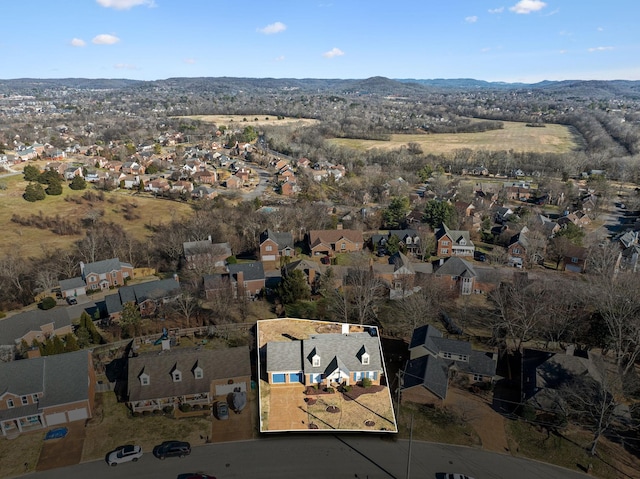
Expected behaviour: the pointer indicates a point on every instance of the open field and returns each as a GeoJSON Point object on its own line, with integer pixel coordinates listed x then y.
{"type": "Point", "coordinates": [514, 136]}
{"type": "Point", "coordinates": [258, 119]}
{"type": "Point", "coordinates": [29, 241]}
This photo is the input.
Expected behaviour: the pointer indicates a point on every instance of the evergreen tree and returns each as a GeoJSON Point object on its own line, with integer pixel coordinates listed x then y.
{"type": "Point", "coordinates": [438, 212]}
{"type": "Point", "coordinates": [54, 188]}
{"type": "Point", "coordinates": [31, 173]}
{"type": "Point", "coordinates": [34, 192]}
{"type": "Point", "coordinates": [78, 183]}
{"type": "Point", "coordinates": [294, 287]}
{"type": "Point", "coordinates": [70, 343]}
{"type": "Point", "coordinates": [395, 216]}
{"type": "Point", "coordinates": [130, 319]}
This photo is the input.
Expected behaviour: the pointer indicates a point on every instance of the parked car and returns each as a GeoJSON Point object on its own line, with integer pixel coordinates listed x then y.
{"type": "Point", "coordinates": [71, 300]}
{"type": "Point", "coordinates": [456, 476]}
{"type": "Point", "coordinates": [222, 410]}
{"type": "Point", "coordinates": [172, 449]}
{"type": "Point", "coordinates": [124, 454]}
{"type": "Point", "coordinates": [195, 475]}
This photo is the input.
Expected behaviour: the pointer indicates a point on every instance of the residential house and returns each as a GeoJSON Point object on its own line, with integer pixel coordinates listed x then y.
{"type": "Point", "coordinates": [476, 171]}
{"type": "Point", "coordinates": [46, 391]}
{"type": "Point", "coordinates": [399, 275]}
{"type": "Point", "coordinates": [330, 242]}
{"type": "Point", "coordinates": [36, 325]}
{"type": "Point", "coordinates": [244, 174]}
{"type": "Point", "coordinates": [310, 269]}
{"type": "Point", "coordinates": [502, 214]}
{"type": "Point", "coordinates": [453, 243]}
{"type": "Point", "coordinates": [578, 218]}
{"type": "Point", "coordinates": [105, 274]}
{"type": "Point", "coordinates": [149, 297]}
{"type": "Point", "coordinates": [548, 226]}
{"type": "Point", "coordinates": [204, 192]}
{"type": "Point", "coordinates": [73, 287]}
{"type": "Point", "coordinates": [233, 182]}
{"type": "Point", "coordinates": [328, 359]}
{"type": "Point", "coordinates": [242, 279]}
{"type": "Point", "coordinates": [575, 259]}
{"type": "Point", "coordinates": [132, 168]}
{"type": "Point", "coordinates": [434, 360]}
{"type": "Point", "coordinates": [629, 258]}
{"type": "Point", "coordinates": [464, 209]}
{"type": "Point", "coordinates": [275, 244]}
{"type": "Point", "coordinates": [170, 378]}
{"type": "Point", "coordinates": [159, 185]}
{"type": "Point", "coordinates": [304, 163]}
{"type": "Point", "coordinates": [457, 274]}
{"type": "Point", "coordinates": [129, 182]}
{"type": "Point", "coordinates": [289, 188]}
{"type": "Point", "coordinates": [408, 240]}
{"type": "Point", "coordinates": [518, 193]}
{"type": "Point", "coordinates": [206, 177]}
{"type": "Point", "coordinates": [182, 186]}
{"type": "Point", "coordinates": [205, 254]}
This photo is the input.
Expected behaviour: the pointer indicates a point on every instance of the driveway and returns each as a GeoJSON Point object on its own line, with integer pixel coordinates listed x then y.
{"type": "Point", "coordinates": [239, 427]}
{"type": "Point", "coordinates": [66, 451]}
{"type": "Point", "coordinates": [287, 409]}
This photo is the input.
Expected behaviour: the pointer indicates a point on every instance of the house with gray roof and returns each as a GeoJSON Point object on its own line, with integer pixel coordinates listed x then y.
{"type": "Point", "coordinates": [149, 297]}
{"type": "Point", "coordinates": [169, 378]}
{"type": "Point", "coordinates": [329, 359]}
{"type": "Point", "coordinates": [453, 242]}
{"type": "Point", "coordinates": [205, 254]}
{"type": "Point", "coordinates": [37, 325]}
{"type": "Point", "coordinates": [276, 244]}
{"type": "Point", "coordinates": [434, 359]}
{"type": "Point", "coordinates": [240, 279]}
{"type": "Point", "coordinates": [457, 273]}
{"type": "Point", "coordinates": [105, 274]}
{"type": "Point", "coordinates": [409, 239]}
{"type": "Point", "coordinates": [46, 391]}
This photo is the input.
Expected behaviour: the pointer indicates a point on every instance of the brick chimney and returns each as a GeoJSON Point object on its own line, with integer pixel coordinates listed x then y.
{"type": "Point", "coordinates": [312, 275]}
{"type": "Point", "coordinates": [240, 283]}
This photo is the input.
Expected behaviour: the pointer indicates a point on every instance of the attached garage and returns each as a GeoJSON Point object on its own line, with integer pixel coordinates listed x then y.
{"type": "Point", "coordinates": [295, 378]}
{"type": "Point", "coordinates": [278, 378]}
{"type": "Point", "coordinates": [269, 257]}
{"type": "Point", "coordinates": [224, 389]}
{"type": "Point", "coordinates": [56, 418]}
{"type": "Point", "coordinates": [77, 414]}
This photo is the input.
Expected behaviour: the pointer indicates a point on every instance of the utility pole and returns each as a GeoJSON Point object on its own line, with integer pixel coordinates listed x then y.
{"type": "Point", "coordinates": [409, 452]}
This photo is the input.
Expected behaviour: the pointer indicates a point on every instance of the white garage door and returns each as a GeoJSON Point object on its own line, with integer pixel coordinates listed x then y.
{"type": "Point", "coordinates": [77, 414]}
{"type": "Point", "coordinates": [224, 389]}
{"type": "Point", "coordinates": [269, 257]}
{"type": "Point", "coordinates": [57, 418]}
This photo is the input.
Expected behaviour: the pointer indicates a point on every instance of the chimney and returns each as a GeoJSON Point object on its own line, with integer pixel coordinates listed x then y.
{"type": "Point", "coordinates": [339, 226]}
{"type": "Point", "coordinates": [82, 269]}
{"type": "Point", "coordinates": [240, 283]}
{"type": "Point", "coordinates": [312, 275]}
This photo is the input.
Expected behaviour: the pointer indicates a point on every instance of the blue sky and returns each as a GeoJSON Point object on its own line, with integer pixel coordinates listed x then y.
{"type": "Point", "coordinates": [494, 40]}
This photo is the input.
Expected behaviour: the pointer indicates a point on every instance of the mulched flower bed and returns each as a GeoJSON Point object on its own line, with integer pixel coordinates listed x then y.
{"type": "Point", "coordinates": [354, 393]}
{"type": "Point", "coordinates": [333, 409]}
{"type": "Point", "coordinates": [369, 423]}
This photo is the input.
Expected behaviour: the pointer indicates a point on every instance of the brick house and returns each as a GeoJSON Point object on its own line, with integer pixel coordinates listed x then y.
{"type": "Point", "coordinates": [186, 376]}
{"type": "Point", "coordinates": [204, 253]}
{"type": "Point", "coordinates": [243, 279]}
{"type": "Point", "coordinates": [46, 391]}
{"type": "Point", "coordinates": [233, 182]}
{"type": "Point", "coordinates": [274, 245]}
{"type": "Point", "coordinates": [330, 242]}
{"type": "Point", "coordinates": [149, 297]}
{"type": "Point", "coordinates": [453, 243]}
{"type": "Point", "coordinates": [207, 177]}
{"type": "Point", "coordinates": [105, 274]}
{"type": "Point", "coordinates": [457, 274]}
{"type": "Point", "coordinates": [575, 259]}
{"type": "Point", "coordinates": [517, 249]}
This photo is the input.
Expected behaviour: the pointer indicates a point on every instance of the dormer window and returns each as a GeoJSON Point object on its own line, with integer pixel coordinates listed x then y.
{"type": "Point", "coordinates": [365, 358]}
{"type": "Point", "coordinates": [315, 361]}
{"type": "Point", "coordinates": [198, 373]}
{"type": "Point", "coordinates": [145, 380]}
{"type": "Point", "coordinates": [463, 242]}
{"type": "Point", "coordinates": [10, 403]}
{"type": "Point", "coordinates": [176, 375]}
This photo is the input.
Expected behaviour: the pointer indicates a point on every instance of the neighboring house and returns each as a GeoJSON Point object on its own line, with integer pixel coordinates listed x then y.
{"type": "Point", "coordinates": [149, 297]}
{"type": "Point", "coordinates": [73, 287]}
{"type": "Point", "coordinates": [502, 215]}
{"type": "Point", "coordinates": [182, 186]}
{"type": "Point", "coordinates": [105, 274]}
{"type": "Point", "coordinates": [36, 325]}
{"type": "Point", "coordinates": [433, 360]}
{"type": "Point", "coordinates": [204, 192]}
{"type": "Point", "coordinates": [458, 275]}
{"type": "Point", "coordinates": [310, 269]}
{"type": "Point", "coordinates": [329, 359]}
{"type": "Point", "coordinates": [207, 177]}
{"type": "Point", "coordinates": [629, 258]}
{"type": "Point", "coordinates": [575, 259]}
{"type": "Point", "coordinates": [242, 279]}
{"type": "Point", "coordinates": [275, 244]}
{"type": "Point", "coordinates": [167, 379]}
{"type": "Point", "coordinates": [330, 242]}
{"type": "Point", "coordinates": [548, 226]}
{"type": "Point", "coordinates": [289, 188]}
{"type": "Point", "coordinates": [205, 254]}
{"type": "Point", "coordinates": [233, 182]}
{"type": "Point", "coordinates": [132, 168]}
{"type": "Point", "coordinates": [71, 172]}
{"type": "Point", "coordinates": [578, 218]}
{"type": "Point", "coordinates": [46, 391]}
{"type": "Point", "coordinates": [399, 275]}
{"type": "Point", "coordinates": [159, 185]}
{"type": "Point", "coordinates": [408, 239]}
{"type": "Point", "coordinates": [453, 243]}
{"type": "Point", "coordinates": [464, 208]}
{"type": "Point", "coordinates": [517, 249]}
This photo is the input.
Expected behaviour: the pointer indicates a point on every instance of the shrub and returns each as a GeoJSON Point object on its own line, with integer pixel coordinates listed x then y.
{"type": "Point", "coordinates": [146, 413]}
{"type": "Point", "coordinates": [157, 412]}
{"type": "Point", "coordinates": [167, 409]}
{"type": "Point", "coordinates": [197, 407]}
{"type": "Point", "coordinates": [47, 303]}
{"type": "Point", "coordinates": [185, 407]}
{"type": "Point", "coordinates": [330, 390]}
{"type": "Point", "coordinates": [346, 388]}
{"type": "Point", "coordinates": [366, 382]}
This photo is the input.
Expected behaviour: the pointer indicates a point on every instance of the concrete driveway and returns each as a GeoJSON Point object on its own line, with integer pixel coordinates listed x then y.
{"type": "Point", "coordinates": [239, 427]}
{"type": "Point", "coordinates": [287, 409]}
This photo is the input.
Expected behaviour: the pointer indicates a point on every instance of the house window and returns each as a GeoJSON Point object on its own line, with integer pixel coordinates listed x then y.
{"type": "Point", "coordinates": [445, 243]}
{"type": "Point", "coordinates": [316, 361]}
{"type": "Point", "coordinates": [343, 246]}
{"type": "Point", "coordinates": [516, 251]}
{"type": "Point", "coordinates": [365, 358]}
{"type": "Point", "coordinates": [94, 286]}
{"type": "Point", "coordinates": [444, 251]}
{"type": "Point", "coordinates": [25, 400]}
{"type": "Point", "coordinates": [144, 380]}
{"type": "Point", "coordinates": [10, 403]}
{"type": "Point", "coordinates": [177, 376]}
{"type": "Point", "coordinates": [268, 248]}
{"type": "Point", "coordinates": [34, 398]}
{"type": "Point", "coordinates": [446, 355]}
{"type": "Point", "coordinates": [477, 377]}
{"type": "Point", "coordinates": [454, 278]}
{"type": "Point", "coordinates": [574, 260]}
{"type": "Point", "coordinates": [464, 357]}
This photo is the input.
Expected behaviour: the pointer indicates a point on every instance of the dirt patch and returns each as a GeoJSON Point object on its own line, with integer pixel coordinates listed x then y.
{"type": "Point", "coordinates": [287, 329]}
{"type": "Point", "coordinates": [66, 451]}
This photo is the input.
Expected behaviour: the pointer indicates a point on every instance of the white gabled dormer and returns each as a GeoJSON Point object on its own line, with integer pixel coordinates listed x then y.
{"type": "Point", "coordinates": [144, 378]}
{"type": "Point", "coordinates": [198, 372]}
{"type": "Point", "coordinates": [364, 356]}
{"type": "Point", "coordinates": [315, 360]}
{"type": "Point", "coordinates": [176, 374]}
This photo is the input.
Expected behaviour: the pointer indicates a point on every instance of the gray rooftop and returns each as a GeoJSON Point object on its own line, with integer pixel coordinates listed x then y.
{"type": "Point", "coordinates": [104, 266]}
{"type": "Point", "coordinates": [18, 325]}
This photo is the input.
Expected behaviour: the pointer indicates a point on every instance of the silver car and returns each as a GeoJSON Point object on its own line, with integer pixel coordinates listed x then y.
{"type": "Point", "coordinates": [124, 454]}
{"type": "Point", "coordinates": [456, 476]}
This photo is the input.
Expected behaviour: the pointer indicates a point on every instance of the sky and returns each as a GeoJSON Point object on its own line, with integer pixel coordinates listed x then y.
{"type": "Point", "coordinates": [494, 40]}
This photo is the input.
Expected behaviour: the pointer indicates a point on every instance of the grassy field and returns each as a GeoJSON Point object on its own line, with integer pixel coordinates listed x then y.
{"type": "Point", "coordinates": [258, 119]}
{"type": "Point", "coordinates": [29, 241]}
{"type": "Point", "coordinates": [514, 136]}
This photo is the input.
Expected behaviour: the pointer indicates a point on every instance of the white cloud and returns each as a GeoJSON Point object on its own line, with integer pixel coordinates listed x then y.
{"type": "Point", "coordinates": [600, 29]}
{"type": "Point", "coordinates": [105, 39]}
{"type": "Point", "coordinates": [334, 52]}
{"type": "Point", "coordinates": [472, 19]}
{"type": "Point", "coordinates": [485, 49]}
{"type": "Point", "coordinates": [78, 42]}
{"type": "Point", "coordinates": [527, 6]}
{"type": "Point", "coordinates": [272, 28]}
{"type": "Point", "coordinates": [124, 4]}
{"type": "Point", "coordinates": [124, 66]}
{"type": "Point", "coordinates": [280, 58]}
{"type": "Point", "coordinates": [562, 52]}
{"type": "Point", "coordinates": [494, 11]}
{"type": "Point", "coordinates": [599, 49]}
{"type": "Point", "coordinates": [190, 61]}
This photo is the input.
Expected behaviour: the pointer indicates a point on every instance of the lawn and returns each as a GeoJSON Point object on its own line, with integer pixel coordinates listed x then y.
{"type": "Point", "coordinates": [15, 453]}
{"type": "Point", "coordinates": [514, 136]}
{"type": "Point", "coordinates": [29, 241]}
{"type": "Point", "coordinates": [255, 119]}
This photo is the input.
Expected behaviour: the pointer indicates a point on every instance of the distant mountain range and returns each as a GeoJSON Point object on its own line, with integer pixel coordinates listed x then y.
{"type": "Point", "coordinates": [374, 86]}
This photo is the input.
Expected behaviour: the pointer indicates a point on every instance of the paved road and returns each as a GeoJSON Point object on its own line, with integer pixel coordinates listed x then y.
{"type": "Point", "coordinates": [295, 456]}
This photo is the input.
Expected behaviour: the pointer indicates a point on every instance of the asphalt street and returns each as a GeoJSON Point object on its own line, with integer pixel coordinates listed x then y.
{"type": "Point", "coordinates": [328, 456]}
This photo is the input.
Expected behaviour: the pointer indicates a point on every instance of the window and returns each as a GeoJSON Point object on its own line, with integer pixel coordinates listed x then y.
{"type": "Point", "coordinates": [10, 403]}
{"type": "Point", "coordinates": [444, 251]}
{"type": "Point", "coordinates": [446, 355]}
{"type": "Point", "coordinates": [365, 358]}
{"type": "Point", "coordinates": [516, 251]}
{"type": "Point", "coordinates": [574, 260]}
{"type": "Point", "coordinates": [25, 400]}
{"type": "Point", "coordinates": [343, 246]}
{"type": "Point", "coordinates": [454, 278]}
{"type": "Point", "coordinates": [445, 243]}
{"type": "Point", "coordinates": [198, 373]}
{"type": "Point", "coordinates": [177, 376]}
{"type": "Point", "coordinates": [34, 398]}
{"type": "Point", "coordinates": [477, 377]}
{"type": "Point", "coordinates": [268, 248]}
{"type": "Point", "coordinates": [464, 357]}
{"type": "Point", "coordinates": [144, 380]}
{"type": "Point", "coordinates": [94, 286]}
{"type": "Point", "coordinates": [316, 361]}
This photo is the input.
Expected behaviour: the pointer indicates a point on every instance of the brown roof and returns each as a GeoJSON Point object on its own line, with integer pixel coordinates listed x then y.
{"type": "Point", "coordinates": [216, 364]}
{"type": "Point", "coordinates": [328, 237]}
